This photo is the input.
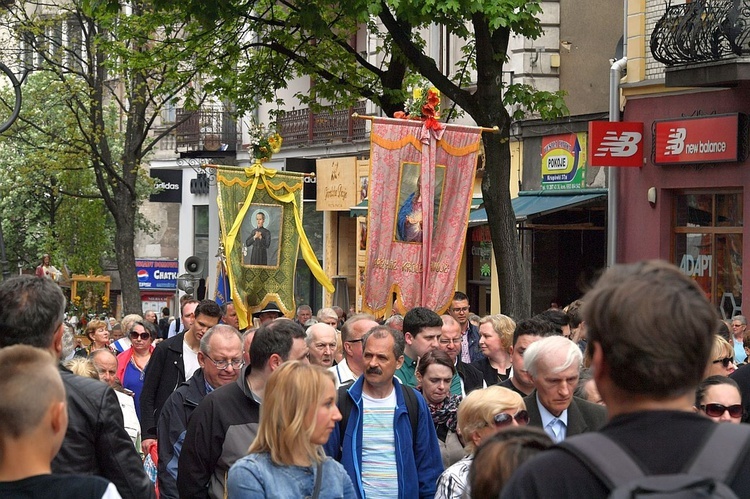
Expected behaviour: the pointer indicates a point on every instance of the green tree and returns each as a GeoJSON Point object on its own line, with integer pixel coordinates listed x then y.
{"type": "Point", "coordinates": [110, 62]}
{"type": "Point", "coordinates": [48, 198]}
{"type": "Point", "coordinates": [276, 41]}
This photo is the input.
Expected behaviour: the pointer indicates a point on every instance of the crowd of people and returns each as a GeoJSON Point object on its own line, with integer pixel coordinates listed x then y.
{"type": "Point", "coordinates": [415, 405]}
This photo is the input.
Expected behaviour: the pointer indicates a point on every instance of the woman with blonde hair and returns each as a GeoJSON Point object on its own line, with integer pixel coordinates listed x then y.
{"type": "Point", "coordinates": [480, 415]}
{"type": "Point", "coordinates": [97, 332]}
{"type": "Point", "coordinates": [495, 340]}
{"type": "Point", "coordinates": [721, 361]}
{"type": "Point", "coordinates": [286, 459]}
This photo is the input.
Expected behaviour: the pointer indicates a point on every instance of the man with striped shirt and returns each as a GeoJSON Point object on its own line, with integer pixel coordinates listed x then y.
{"type": "Point", "coordinates": [377, 444]}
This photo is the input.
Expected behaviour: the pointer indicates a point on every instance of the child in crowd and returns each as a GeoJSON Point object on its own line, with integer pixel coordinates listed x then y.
{"type": "Point", "coordinates": [35, 417]}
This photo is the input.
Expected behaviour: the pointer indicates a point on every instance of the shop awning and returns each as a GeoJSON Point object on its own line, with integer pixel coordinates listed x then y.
{"type": "Point", "coordinates": [531, 204]}
{"type": "Point", "coordinates": [360, 210]}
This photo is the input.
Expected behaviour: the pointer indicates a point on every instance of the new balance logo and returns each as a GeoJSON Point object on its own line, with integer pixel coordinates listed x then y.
{"type": "Point", "coordinates": [675, 141]}
{"type": "Point", "coordinates": [622, 146]}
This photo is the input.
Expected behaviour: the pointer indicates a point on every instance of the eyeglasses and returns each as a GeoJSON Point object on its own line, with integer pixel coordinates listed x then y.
{"type": "Point", "coordinates": [446, 341]}
{"type": "Point", "coordinates": [718, 410]}
{"type": "Point", "coordinates": [355, 341]}
{"type": "Point", "coordinates": [737, 325]}
{"type": "Point", "coordinates": [459, 310]}
{"type": "Point", "coordinates": [504, 419]}
{"type": "Point", "coordinates": [134, 335]}
{"type": "Point", "coordinates": [725, 361]}
{"type": "Point", "coordinates": [222, 365]}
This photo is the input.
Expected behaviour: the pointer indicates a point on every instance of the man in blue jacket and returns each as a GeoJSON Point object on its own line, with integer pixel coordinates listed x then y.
{"type": "Point", "coordinates": [379, 450]}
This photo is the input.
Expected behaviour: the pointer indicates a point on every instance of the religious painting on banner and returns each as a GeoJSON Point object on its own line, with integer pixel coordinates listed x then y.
{"type": "Point", "coordinates": [261, 224]}
{"type": "Point", "coordinates": [420, 190]}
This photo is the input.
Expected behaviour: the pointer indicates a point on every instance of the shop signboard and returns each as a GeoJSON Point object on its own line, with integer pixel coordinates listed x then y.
{"type": "Point", "coordinates": [564, 161]}
{"type": "Point", "coordinates": [616, 143]}
{"type": "Point", "coordinates": [157, 274]}
{"type": "Point", "coordinates": [705, 139]}
{"type": "Point", "coordinates": [337, 184]}
{"type": "Point", "coordinates": [169, 183]}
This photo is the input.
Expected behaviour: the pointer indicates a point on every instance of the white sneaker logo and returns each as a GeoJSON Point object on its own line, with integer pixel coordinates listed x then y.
{"type": "Point", "coordinates": [624, 146]}
{"type": "Point", "coordinates": [675, 141]}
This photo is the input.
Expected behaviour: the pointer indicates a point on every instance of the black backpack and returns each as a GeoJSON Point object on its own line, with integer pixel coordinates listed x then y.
{"type": "Point", "coordinates": [345, 405]}
{"type": "Point", "coordinates": [714, 465]}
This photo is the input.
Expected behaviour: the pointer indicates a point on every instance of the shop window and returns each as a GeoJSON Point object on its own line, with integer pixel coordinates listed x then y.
{"type": "Point", "coordinates": [707, 245]}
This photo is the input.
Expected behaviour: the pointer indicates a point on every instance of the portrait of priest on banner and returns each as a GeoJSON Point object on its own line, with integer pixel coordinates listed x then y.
{"type": "Point", "coordinates": [409, 218]}
{"type": "Point", "coordinates": [260, 233]}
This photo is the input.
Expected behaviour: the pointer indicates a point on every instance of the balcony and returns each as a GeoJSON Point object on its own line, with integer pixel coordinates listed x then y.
{"type": "Point", "coordinates": [208, 131]}
{"type": "Point", "coordinates": [704, 43]}
{"type": "Point", "coordinates": [301, 127]}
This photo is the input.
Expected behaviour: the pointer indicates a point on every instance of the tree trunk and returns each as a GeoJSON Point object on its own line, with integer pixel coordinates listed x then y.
{"type": "Point", "coordinates": [124, 251]}
{"type": "Point", "coordinates": [511, 278]}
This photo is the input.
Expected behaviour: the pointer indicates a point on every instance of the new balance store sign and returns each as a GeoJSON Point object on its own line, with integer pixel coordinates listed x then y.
{"type": "Point", "coordinates": [168, 184]}
{"type": "Point", "coordinates": [616, 143]}
{"type": "Point", "coordinates": [708, 139]}
{"type": "Point", "coordinates": [157, 274]}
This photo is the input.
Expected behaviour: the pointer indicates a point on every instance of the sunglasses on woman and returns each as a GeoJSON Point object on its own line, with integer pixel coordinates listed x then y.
{"type": "Point", "coordinates": [504, 419]}
{"type": "Point", "coordinates": [718, 410]}
{"type": "Point", "coordinates": [725, 361]}
{"type": "Point", "coordinates": [144, 336]}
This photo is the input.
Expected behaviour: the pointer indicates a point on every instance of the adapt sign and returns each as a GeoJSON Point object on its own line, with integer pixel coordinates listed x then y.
{"type": "Point", "coordinates": [564, 161]}
{"type": "Point", "coordinates": [157, 274]}
{"type": "Point", "coordinates": [616, 143]}
{"type": "Point", "coordinates": [706, 139]}
{"type": "Point", "coordinates": [169, 184]}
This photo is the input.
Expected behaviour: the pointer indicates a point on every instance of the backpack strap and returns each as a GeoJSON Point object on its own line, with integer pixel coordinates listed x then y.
{"type": "Point", "coordinates": [412, 408]}
{"type": "Point", "coordinates": [604, 457]}
{"type": "Point", "coordinates": [721, 453]}
{"type": "Point", "coordinates": [345, 405]}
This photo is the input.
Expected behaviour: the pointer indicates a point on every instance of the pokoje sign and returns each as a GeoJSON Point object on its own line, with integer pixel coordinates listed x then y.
{"type": "Point", "coordinates": [615, 143]}
{"type": "Point", "coordinates": [157, 274]}
{"type": "Point", "coordinates": [705, 139]}
{"type": "Point", "coordinates": [564, 161]}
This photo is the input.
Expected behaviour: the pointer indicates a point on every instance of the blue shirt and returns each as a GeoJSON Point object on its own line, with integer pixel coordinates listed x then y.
{"type": "Point", "coordinates": [255, 475]}
{"type": "Point", "coordinates": [133, 380]}
{"type": "Point", "coordinates": [555, 426]}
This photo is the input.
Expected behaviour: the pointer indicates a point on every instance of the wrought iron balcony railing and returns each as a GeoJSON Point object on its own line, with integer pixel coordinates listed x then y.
{"type": "Point", "coordinates": [701, 31]}
{"type": "Point", "coordinates": [206, 129]}
{"type": "Point", "coordinates": [300, 126]}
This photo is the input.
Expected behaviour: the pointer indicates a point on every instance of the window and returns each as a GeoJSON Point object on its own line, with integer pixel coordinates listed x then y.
{"type": "Point", "coordinates": [707, 245]}
{"type": "Point", "coordinates": [200, 234]}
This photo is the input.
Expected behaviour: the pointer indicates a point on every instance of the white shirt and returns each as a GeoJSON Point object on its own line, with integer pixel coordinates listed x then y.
{"type": "Point", "coordinates": [379, 471]}
{"type": "Point", "coordinates": [342, 373]}
{"type": "Point", "coordinates": [190, 360]}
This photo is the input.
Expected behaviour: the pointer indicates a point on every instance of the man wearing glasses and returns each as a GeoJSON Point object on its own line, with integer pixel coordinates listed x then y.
{"type": "Point", "coordinates": [467, 378]}
{"type": "Point", "coordinates": [350, 369]}
{"type": "Point", "coordinates": [459, 310]}
{"type": "Point", "coordinates": [220, 359]}
{"type": "Point", "coordinates": [173, 362]}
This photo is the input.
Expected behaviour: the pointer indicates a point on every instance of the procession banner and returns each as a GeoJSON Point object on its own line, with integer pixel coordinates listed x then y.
{"type": "Point", "coordinates": [222, 294]}
{"type": "Point", "coordinates": [421, 181]}
{"type": "Point", "coordinates": [261, 224]}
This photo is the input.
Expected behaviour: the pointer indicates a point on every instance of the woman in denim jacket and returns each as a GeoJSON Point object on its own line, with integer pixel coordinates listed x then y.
{"type": "Point", "coordinates": [298, 413]}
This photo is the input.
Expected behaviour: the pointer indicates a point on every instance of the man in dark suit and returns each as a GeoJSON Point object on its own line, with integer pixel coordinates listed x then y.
{"type": "Point", "coordinates": [553, 364]}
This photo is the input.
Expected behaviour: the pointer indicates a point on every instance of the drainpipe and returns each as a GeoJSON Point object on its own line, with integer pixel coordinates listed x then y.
{"type": "Point", "coordinates": [615, 73]}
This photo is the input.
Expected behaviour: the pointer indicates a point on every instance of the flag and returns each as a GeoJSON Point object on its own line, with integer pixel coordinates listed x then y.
{"type": "Point", "coordinates": [421, 184]}
{"type": "Point", "coordinates": [261, 224]}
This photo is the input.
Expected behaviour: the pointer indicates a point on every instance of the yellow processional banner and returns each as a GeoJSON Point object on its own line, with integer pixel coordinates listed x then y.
{"type": "Point", "coordinates": [261, 225]}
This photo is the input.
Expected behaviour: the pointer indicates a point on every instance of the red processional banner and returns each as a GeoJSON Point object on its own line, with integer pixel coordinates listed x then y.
{"type": "Point", "coordinates": [421, 182]}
